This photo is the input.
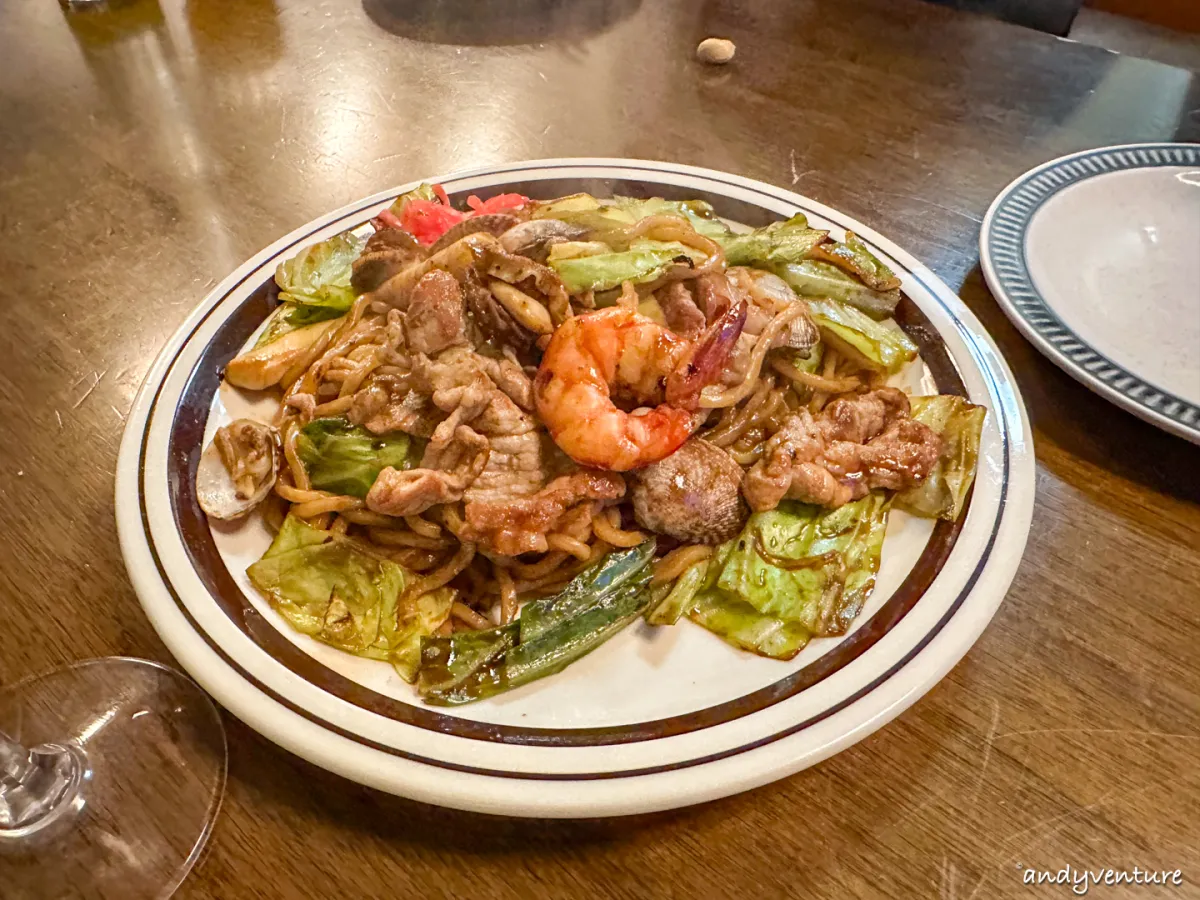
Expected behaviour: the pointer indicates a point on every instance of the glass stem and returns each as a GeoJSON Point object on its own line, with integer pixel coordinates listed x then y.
{"type": "Point", "coordinates": [36, 785]}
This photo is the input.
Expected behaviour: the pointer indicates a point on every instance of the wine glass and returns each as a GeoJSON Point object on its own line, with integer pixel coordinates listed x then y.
{"type": "Point", "coordinates": [111, 774]}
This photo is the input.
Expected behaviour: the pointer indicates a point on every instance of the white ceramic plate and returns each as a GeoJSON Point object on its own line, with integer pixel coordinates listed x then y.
{"type": "Point", "coordinates": [653, 719]}
{"type": "Point", "coordinates": [1096, 258]}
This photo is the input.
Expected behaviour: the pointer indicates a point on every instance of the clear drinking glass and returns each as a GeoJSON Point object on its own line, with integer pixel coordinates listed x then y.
{"type": "Point", "coordinates": [111, 774]}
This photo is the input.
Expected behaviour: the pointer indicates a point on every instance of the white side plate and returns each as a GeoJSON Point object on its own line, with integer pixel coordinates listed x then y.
{"type": "Point", "coordinates": [1096, 259]}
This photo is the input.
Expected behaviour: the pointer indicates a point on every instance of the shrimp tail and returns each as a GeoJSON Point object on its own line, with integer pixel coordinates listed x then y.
{"type": "Point", "coordinates": [709, 359]}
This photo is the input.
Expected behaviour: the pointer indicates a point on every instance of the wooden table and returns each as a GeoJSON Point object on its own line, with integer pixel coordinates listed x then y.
{"type": "Point", "coordinates": [146, 151]}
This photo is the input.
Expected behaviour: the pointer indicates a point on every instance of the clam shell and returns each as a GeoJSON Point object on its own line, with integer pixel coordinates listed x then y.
{"type": "Point", "coordinates": [802, 333]}
{"type": "Point", "coordinates": [693, 495]}
{"type": "Point", "coordinates": [532, 238]}
{"type": "Point", "coordinates": [216, 492]}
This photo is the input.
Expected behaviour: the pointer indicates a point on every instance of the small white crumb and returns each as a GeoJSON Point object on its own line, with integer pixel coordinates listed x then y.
{"type": "Point", "coordinates": [715, 51]}
{"type": "Point", "coordinates": [20, 472]}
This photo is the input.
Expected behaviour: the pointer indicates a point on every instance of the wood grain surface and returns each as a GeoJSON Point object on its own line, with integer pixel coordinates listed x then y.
{"type": "Point", "coordinates": [148, 148]}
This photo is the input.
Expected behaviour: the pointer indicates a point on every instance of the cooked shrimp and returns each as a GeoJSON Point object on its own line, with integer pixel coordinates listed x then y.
{"type": "Point", "coordinates": [618, 350]}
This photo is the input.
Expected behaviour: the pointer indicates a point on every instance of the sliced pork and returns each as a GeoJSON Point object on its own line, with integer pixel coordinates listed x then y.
{"type": "Point", "coordinates": [513, 527]}
{"type": "Point", "coordinates": [855, 444]}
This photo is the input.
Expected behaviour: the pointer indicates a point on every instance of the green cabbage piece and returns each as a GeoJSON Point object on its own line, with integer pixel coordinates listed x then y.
{"type": "Point", "coordinates": [346, 459]}
{"type": "Point", "coordinates": [680, 599]}
{"type": "Point", "coordinates": [794, 572]}
{"type": "Point", "coordinates": [700, 214]}
{"type": "Point", "coordinates": [303, 568]}
{"type": "Point", "coordinates": [295, 534]}
{"type": "Point", "coordinates": [812, 278]}
{"type": "Point", "coordinates": [320, 275]}
{"type": "Point", "coordinates": [960, 423]}
{"type": "Point", "coordinates": [564, 206]}
{"type": "Point", "coordinates": [290, 316]}
{"type": "Point", "coordinates": [607, 270]}
{"type": "Point", "coordinates": [575, 249]}
{"type": "Point", "coordinates": [608, 221]}
{"type": "Point", "coordinates": [330, 588]}
{"type": "Point", "coordinates": [638, 260]}
{"type": "Point", "coordinates": [420, 192]}
{"type": "Point", "coordinates": [415, 625]}
{"type": "Point", "coordinates": [885, 348]}
{"type": "Point", "coordinates": [773, 245]}
{"type": "Point", "coordinates": [695, 255]}
{"type": "Point", "coordinates": [838, 551]}
{"type": "Point", "coordinates": [741, 625]}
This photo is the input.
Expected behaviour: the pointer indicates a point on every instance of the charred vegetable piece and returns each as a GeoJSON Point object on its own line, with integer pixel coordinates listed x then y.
{"type": "Point", "coordinates": [607, 270]}
{"type": "Point", "coordinates": [446, 662]}
{"type": "Point", "coordinates": [859, 336]}
{"type": "Point", "coordinates": [590, 588]}
{"type": "Point", "coordinates": [389, 251]}
{"type": "Point", "coordinates": [550, 634]}
{"type": "Point", "coordinates": [680, 600]}
{"type": "Point", "coordinates": [320, 275]}
{"type": "Point", "coordinates": [853, 256]}
{"type": "Point", "coordinates": [816, 266]}
{"type": "Point", "coordinates": [552, 651]}
{"type": "Point", "coordinates": [810, 278]}
{"type": "Point", "coordinates": [960, 423]}
{"type": "Point", "coordinates": [346, 459]}
{"type": "Point", "coordinates": [810, 364]}
{"type": "Point", "coordinates": [492, 223]}
{"type": "Point", "coordinates": [773, 245]}
{"type": "Point", "coordinates": [606, 223]}
{"type": "Point", "coordinates": [429, 612]}
{"type": "Point", "coordinates": [535, 237]}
